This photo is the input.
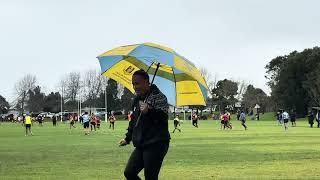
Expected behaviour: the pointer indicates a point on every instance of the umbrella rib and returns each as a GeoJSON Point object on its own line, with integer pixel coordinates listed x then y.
{"type": "Point", "coordinates": [149, 67]}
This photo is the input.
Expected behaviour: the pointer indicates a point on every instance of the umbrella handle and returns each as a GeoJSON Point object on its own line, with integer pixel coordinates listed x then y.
{"type": "Point", "coordinates": [145, 100]}
{"type": "Point", "coordinates": [138, 119]}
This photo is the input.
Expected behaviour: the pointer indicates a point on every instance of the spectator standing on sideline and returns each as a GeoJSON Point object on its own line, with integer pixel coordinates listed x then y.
{"type": "Point", "coordinates": [293, 117]}
{"type": "Point", "coordinates": [311, 118]}
{"type": "Point", "coordinates": [251, 114]}
{"type": "Point", "coordinates": [238, 114]}
{"type": "Point", "coordinates": [54, 120]}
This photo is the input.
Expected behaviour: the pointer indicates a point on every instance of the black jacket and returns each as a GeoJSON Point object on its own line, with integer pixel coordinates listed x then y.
{"type": "Point", "coordinates": [152, 126]}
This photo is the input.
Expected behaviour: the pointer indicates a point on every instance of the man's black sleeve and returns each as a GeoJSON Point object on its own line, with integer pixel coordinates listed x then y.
{"type": "Point", "coordinates": [158, 115]}
{"type": "Point", "coordinates": [158, 108]}
{"type": "Point", "coordinates": [128, 137]}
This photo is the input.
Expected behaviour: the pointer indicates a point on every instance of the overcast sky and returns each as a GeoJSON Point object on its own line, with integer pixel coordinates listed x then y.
{"type": "Point", "coordinates": [232, 39]}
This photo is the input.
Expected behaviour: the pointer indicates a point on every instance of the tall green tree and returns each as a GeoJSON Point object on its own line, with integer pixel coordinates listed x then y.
{"type": "Point", "coordinates": [35, 101]}
{"type": "Point", "coordinates": [224, 93]}
{"type": "Point", "coordinates": [312, 84]}
{"type": "Point", "coordinates": [126, 99]}
{"type": "Point", "coordinates": [112, 96]}
{"type": "Point", "coordinates": [254, 96]}
{"type": "Point", "coordinates": [52, 102]}
{"type": "Point", "coordinates": [114, 102]}
{"type": "Point", "coordinates": [4, 105]}
{"type": "Point", "coordinates": [100, 101]}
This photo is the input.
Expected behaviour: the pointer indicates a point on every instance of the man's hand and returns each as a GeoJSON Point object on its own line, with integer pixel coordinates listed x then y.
{"type": "Point", "coordinates": [123, 142]}
{"type": "Point", "coordinates": [143, 107]}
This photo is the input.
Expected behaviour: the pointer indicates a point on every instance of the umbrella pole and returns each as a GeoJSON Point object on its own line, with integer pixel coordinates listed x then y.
{"type": "Point", "coordinates": [155, 73]}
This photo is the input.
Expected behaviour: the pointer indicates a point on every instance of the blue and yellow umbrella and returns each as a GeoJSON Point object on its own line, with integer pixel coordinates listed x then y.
{"type": "Point", "coordinates": [176, 77]}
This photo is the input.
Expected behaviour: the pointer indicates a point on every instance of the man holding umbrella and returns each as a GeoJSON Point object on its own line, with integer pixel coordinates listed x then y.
{"type": "Point", "coordinates": [182, 84]}
{"type": "Point", "coordinates": [148, 129]}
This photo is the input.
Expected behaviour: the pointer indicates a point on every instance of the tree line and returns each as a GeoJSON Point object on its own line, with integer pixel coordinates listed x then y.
{"type": "Point", "coordinates": [225, 94]}
{"type": "Point", "coordinates": [89, 88]}
{"type": "Point", "coordinates": [295, 80]}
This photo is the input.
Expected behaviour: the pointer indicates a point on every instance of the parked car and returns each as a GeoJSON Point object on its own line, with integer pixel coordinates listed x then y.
{"type": "Point", "coordinates": [206, 110]}
{"type": "Point", "coordinates": [117, 113]}
{"type": "Point", "coordinates": [50, 115]}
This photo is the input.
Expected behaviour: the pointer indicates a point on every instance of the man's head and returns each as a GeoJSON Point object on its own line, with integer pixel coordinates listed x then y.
{"type": "Point", "coordinates": [140, 82]}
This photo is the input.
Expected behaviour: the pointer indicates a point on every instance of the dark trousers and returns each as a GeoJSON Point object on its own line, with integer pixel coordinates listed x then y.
{"type": "Point", "coordinates": [176, 127]}
{"type": "Point", "coordinates": [311, 123]}
{"type": "Point", "coordinates": [195, 123]}
{"type": "Point", "coordinates": [111, 125]}
{"type": "Point", "coordinates": [94, 126]}
{"type": "Point", "coordinates": [149, 158]}
{"type": "Point", "coordinates": [243, 123]}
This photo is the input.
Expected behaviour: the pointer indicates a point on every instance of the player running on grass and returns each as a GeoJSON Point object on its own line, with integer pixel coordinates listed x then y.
{"type": "Point", "coordinates": [176, 123]}
{"type": "Point", "coordinates": [242, 118]}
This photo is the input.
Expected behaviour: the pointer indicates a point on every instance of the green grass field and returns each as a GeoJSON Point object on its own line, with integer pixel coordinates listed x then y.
{"type": "Point", "coordinates": [265, 151]}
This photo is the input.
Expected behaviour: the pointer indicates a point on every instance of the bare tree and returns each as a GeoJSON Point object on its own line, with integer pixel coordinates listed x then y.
{"type": "Point", "coordinates": [70, 88]}
{"type": "Point", "coordinates": [242, 87]}
{"type": "Point", "coordinates": [62, 89]}
{"type": "Point", "coordinates": [120, 90]}
{"type": "Point", "coordinates": [28, 82]}
{"type": "Point", "coordinates": [211, 81]}
{"type": "Point", "coordinates": [212, 85]}
{"type": "Point", "coordinates": [94, 84]}
{"type": "Point", "coordinates": [214, 81]}
{"type": "Point", "coordinates": [72, 85]}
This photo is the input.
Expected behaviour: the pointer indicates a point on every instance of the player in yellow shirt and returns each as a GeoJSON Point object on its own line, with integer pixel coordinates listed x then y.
{"type": "Point", "coordinates": [28, 124]}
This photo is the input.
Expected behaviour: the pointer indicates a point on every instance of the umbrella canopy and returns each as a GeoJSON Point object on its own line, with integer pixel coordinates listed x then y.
{"type": "Point", "coordinates": [176, 77]}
